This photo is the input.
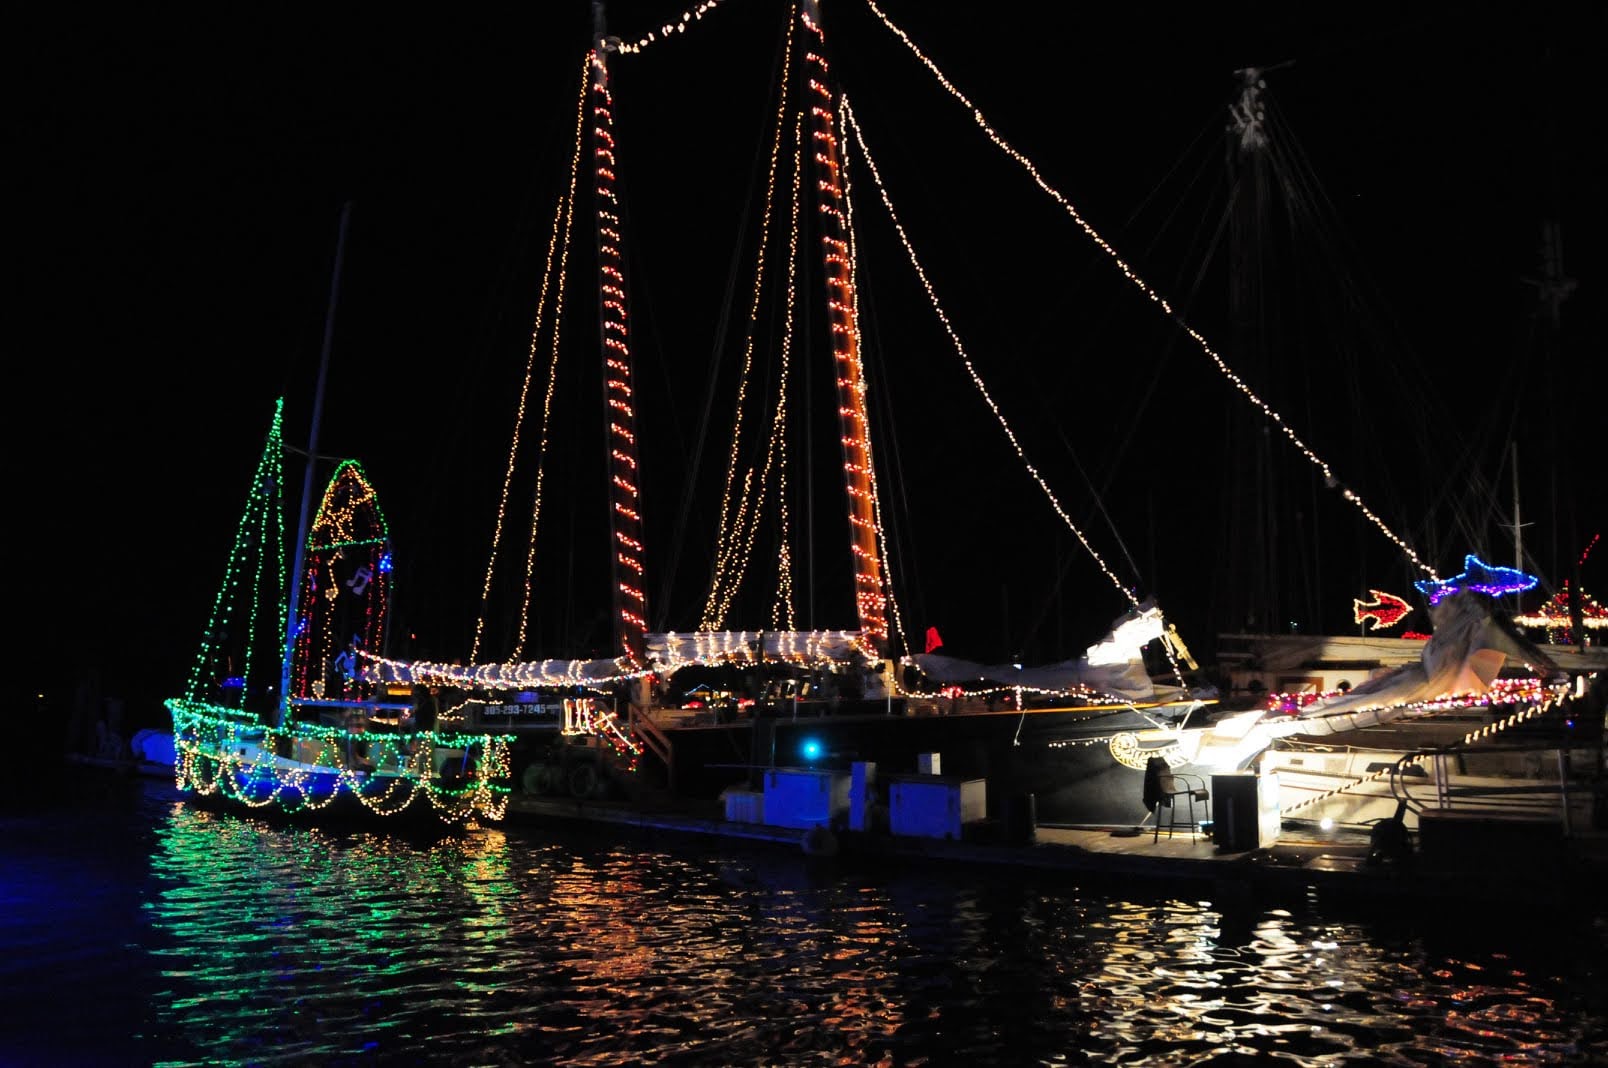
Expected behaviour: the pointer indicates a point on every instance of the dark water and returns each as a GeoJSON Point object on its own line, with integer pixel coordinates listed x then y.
{"type": "Point", "coordinates": [139, 930]}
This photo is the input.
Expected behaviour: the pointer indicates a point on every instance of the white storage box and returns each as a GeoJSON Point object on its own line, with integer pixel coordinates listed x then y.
{"type": "Point", "coordinates": [935, 806]}
{"type": "Point", "coordinates": [805, 797]}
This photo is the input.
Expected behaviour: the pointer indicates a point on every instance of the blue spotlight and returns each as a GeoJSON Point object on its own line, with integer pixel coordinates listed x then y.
{"type": "Point", "coordinates": [811, 749]}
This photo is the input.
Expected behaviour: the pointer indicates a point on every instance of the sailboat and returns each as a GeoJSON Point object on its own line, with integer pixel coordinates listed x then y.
{"type": "Point", "coordinates": [274, 719]}
{"type": "Point", "coordinates": [710, 707]}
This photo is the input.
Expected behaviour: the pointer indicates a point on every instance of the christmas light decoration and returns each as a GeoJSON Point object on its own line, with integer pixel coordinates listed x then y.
{"type": "Point", "coordinates": [225, 740]}
{"type": "Point", "coordinates": [1149, 291]}
{"type": "Point", "coordinates": [233, 646]}
{"type": "Point", "coordinates": [1522, 715]}
{"type": "Point", "coordinates": [1479, 577]}
{"type": "Point", "coordinates": [346, 589]}
{"type": "Point", "coordinates": [565, 209]}
{"type": "Point", "coordinates": [306, 767]}
{"type": "Point", "coordinates": [876, 499]}
{"type": "Point", "coordinates": [982, 388]}
{"type": "Point", "coordinates": [1557, 615]}
{"type": "Point", "coordinates": [625, 520]}
{"type": "Point", "coordinates": [728, 575]}
{"type": "Point", "coordinates": [870, 600]}
{"type": "Point", "coordinates": [669, 29]}
{"type": "Point", "coordinates": [1384, 611]}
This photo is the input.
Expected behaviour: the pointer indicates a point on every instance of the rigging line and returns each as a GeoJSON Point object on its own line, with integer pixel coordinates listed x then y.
{"type": "Point", "coordinates": [1133, 425]}
{"type": "Point", "coordinates": [726, 538]}
{"type": "Point", "coordinates": [744, 527]}
{"type": "Point", "coordinates": [871, 467]}
{"type": "Point", "coordinates": [669, 29]}
{"type": "Point", "coordinates": [722, 329]}
{"type": "Point", "coordinates": [524, 392]}
{"type": "Point", "coordinates": [783, 610]}
{"type": "Point", "coordinates": [1160, 301]}
{"type": "Point", "coordinates": [776, 443]}
{"type": "Point", "coordinates": [547, 410]}
{"type": "Point", "coordinates": [971, 370]}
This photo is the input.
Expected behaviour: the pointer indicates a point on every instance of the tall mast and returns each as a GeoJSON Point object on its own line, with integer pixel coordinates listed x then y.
{"type": "Point", "coordinates": [859, 479]}
{"type": "Point", "coordinates": [624, 493]}
{"type": "Point", "coordinates": [312, 458]}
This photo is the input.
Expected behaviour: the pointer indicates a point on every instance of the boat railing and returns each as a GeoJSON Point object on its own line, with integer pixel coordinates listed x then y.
{"type": "Point", "coordinates": [1450, 785]}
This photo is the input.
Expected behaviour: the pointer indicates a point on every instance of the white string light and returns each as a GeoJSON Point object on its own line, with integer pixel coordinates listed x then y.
{"type": "Point", "coordinates": [669, 29]}
{"type": "Point", "coordinates": [563, 209]}
{"type": "Point", "coordinates": [876, 500]}
{"type": "Point", "coordinates": [723, 585]}
{"type": "Point", "coordinates": [1145, 287]}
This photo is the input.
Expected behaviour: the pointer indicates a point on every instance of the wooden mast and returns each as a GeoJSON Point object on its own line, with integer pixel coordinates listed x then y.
{"type": "Point", "coordinates": [624, 472]}
{"type": "Point", "coordinates": [859, 479]}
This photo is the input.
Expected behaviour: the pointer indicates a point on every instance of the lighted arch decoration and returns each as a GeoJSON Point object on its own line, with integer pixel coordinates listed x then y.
{"type": "Point", "coordinates": [346, 588]}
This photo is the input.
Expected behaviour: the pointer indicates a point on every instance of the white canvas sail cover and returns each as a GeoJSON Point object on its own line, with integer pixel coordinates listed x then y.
{"type": "Point", "coordinates": [1112, 666]}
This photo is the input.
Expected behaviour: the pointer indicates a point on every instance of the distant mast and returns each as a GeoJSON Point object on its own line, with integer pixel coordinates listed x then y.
{"type": "Point", "coordinates": [312, 458]}
{"type": "Point", "coordinates": [624, 489]}
{"type": "Point", "coordinates": [870, 596]}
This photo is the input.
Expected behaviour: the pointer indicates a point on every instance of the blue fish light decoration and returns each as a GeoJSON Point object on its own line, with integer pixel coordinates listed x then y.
{"type": "Point", "coordinates": [1479, 577]}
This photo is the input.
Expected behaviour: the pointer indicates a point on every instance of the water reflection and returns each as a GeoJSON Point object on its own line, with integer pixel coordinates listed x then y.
{"type": "Point", "coordinates": [273, 946]}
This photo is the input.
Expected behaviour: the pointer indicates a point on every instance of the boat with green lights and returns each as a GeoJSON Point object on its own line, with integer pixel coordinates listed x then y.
{"type": "Point", "coordinates": [275, 718]}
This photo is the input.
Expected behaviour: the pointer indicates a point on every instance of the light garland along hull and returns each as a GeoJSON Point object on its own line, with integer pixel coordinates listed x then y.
{"type": "Point", "coordinates": [309, 771]}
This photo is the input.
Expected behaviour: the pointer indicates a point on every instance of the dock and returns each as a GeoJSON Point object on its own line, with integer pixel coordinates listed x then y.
{"type": "Point", "coordinates": [1560, 870]}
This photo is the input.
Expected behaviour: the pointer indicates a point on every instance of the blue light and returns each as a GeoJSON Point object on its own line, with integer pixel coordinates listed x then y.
{"type": "Point", "coordinates": [1480, 577]}
{"type": "Point", "coordinates": [811, 749]}
{"type": "Point", "coordinates": [385, 563]}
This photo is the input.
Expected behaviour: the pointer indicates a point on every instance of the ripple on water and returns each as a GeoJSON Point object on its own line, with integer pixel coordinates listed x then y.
{"type": "Point", "coordinates": [259, 945]}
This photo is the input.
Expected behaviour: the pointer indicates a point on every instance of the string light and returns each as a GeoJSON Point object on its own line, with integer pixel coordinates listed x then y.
{"type": "Point", "coordinates": [723, 584]}
{"type": "Point", "coordinates": [1480, 577]}
{"type": "Point", "coordinates": [630, 603]}
{"type": "Point", "coordinates": [870, 602]}
{"type": "Point", "coordinates": [1490, 730]}
{"type": "Point", "coordinates": [876, 499]}
{"type": "Point", "coordinates": [218, 754]}
{"type": "Point", "coordinates": [1383, 612]}
{"type": "Point", "coordinates": [971, 369]}
{"type": "Point", "coordinates": [1129, 273]}
{"type": "Point", "coordinates": [259, 542]}
{"type": "Point", "coordinates": [347, 576]}
{"type": "Point", "coordinates": [565, 210]}
{"type": "Point", "coordinates": [669, 29]}
{"type": "Point", "coordinates": [1557, 615]}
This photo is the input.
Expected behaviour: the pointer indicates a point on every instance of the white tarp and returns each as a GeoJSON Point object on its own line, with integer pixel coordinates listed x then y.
{"type": "Point", "coordinates": [1112, 666]}
{"type": "Point", "coordinates": [1463, 655]}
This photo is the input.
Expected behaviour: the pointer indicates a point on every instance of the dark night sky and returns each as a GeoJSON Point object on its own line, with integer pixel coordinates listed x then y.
{"type": "Point", "coordinates": [182, 177]}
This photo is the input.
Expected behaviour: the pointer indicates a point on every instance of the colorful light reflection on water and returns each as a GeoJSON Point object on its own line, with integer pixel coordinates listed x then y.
{"type": "Point", "coordinates": [189, 937]}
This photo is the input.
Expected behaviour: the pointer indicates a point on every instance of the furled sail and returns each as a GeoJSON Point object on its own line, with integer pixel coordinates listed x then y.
{"type": "Point", "coordinates": [1113, 666]}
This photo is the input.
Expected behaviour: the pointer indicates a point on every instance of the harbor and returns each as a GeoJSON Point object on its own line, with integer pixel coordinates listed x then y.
{"type": "Point", "coordinates": [809, 532]}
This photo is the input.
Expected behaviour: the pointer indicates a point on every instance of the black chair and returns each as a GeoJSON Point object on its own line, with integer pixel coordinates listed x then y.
{"type": "Point", "coordinates": [1165, 788]}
